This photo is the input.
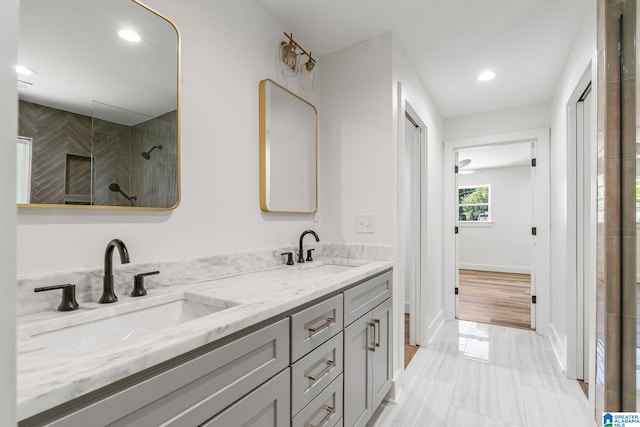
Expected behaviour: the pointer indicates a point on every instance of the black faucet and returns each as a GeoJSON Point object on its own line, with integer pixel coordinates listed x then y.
{"type": "Point", "coordinates": [108, 295]}
{"type": "Point", "coordinates": [304, 233]}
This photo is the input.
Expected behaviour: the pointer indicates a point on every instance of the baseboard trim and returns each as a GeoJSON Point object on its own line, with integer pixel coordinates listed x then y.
{"type": "Point", "coordinates": [559, 349]}
{"type": "Point", "coordinates": [498, 268]}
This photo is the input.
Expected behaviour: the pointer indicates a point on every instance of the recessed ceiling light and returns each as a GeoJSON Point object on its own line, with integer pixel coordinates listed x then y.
{"type": "Point", "coordinates": [486, 76]}
{"type": "Point", "coordinates": [129, 35]}
{"type": "Point", "coordinates": [24, 70]}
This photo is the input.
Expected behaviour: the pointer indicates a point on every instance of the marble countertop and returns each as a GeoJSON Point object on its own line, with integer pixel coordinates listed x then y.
{"type": "Point", "coordinates": [46, 379]}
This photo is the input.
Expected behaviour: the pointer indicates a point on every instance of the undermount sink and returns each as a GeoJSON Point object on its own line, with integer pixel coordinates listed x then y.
{"type": "Point", "coordinates": [331, 268]}
{"type": "Point", "coordinates": [95, 335]}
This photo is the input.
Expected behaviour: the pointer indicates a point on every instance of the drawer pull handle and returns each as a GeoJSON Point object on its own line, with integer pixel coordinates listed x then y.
{"type": "Point", "coordinates": [373, 347]}
{"type": "Point", "coordinates": [379, 332]}
{"type": "Point", "coordinates": [325, 325]}
{"type": "Point", "coordinates": [330, 364]}
{"type": "Point", "coordinates": [330, 411]}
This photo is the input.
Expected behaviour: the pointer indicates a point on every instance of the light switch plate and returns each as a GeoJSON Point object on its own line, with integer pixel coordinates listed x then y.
{"type": "Point", "coordinates": [365, 223]}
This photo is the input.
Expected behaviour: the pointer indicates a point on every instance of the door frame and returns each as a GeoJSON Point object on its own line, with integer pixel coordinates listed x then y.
{"type": "Point", "coordinates": [576, 267]}
{"type": "Point", "coordinates": [542, 220]}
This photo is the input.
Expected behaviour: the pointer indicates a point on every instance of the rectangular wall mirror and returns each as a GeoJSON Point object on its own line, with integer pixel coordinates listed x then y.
{"type": "Point", "coordinates": [288, 151]}
{"type": "Point", "coordinates": [98, 120]}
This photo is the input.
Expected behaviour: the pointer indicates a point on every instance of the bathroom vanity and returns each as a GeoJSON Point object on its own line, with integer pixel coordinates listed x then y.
{"type": "Point", "coordinates": [299, 345]}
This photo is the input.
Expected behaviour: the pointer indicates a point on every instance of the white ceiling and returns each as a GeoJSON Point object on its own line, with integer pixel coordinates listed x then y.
{"type": "Point", "coordinates": [78, 57]}
{"type": "Point", "coordinates": [449, 42]}
{"type": "Point", "coordinates": [496, 156]}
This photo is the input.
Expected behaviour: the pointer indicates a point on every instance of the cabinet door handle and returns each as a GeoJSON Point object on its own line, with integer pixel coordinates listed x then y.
{"type": "Point", "coordinates": [377, 321]}
{"type": "Point", "coordinates": [330, 364]}
{"type": "Point", "coordinates": [325, 325]}
{"type": "Point", "coordinates": [373, 326]}
{"type": "Point", "coordinates": [330, 411]}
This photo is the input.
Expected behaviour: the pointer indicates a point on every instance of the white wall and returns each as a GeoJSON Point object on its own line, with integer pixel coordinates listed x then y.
{"type": "Point", "coordinates": [359, 158]}
{"type": "Point", "coordinates": [582, 53]}
{"type": "Point", "coordinates": [504, 244]}
{"type": "Point", "coordinates": [357, 171]}
{"type": "Point", "coordinates": [8, 132]}
{"type": "Point", "coordinates": [500, 121]}
{"type": "Point", "coordinates": [228, 46]}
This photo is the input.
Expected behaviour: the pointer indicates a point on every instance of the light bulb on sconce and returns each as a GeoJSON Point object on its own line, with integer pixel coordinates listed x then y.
{"type": "Point", "coordinates": [308, 76]}
{"type": "Point", "coordinates": [289, 56]}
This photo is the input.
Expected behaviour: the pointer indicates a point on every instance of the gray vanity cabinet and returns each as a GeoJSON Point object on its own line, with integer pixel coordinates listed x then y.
{"type": "Point", "coordinates": [327, 364]}
{"type": "Point", "coordinates": [367, 350]}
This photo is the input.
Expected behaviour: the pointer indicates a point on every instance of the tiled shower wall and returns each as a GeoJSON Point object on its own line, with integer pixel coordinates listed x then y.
{"type": "Point", "coordinates": [616, 315]}
{"type": "Point", "coordinates": [55, 133]}
{"type": "Point", "coordinates": [116, 151]}
{"type": "Point", "coordinates": [155, 181]}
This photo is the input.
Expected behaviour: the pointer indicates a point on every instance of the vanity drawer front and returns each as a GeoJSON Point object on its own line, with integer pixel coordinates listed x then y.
{"type": "Point", "coordinates": [315, 371]}
{"type": "Point", "coordinates": [195, 391]}
{"type": "Point", "coordinates": [323, 411]}
{"type": "Point", "coordinates": [365, 297]}
{"type": "Point", "coordinates": [315, 325]}
{"type": "Point", "coordinates": [267, 406]}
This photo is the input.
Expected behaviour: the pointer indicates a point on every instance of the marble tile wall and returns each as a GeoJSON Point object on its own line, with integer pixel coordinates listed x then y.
{"type": "Point", "coordinates": [616, 229]}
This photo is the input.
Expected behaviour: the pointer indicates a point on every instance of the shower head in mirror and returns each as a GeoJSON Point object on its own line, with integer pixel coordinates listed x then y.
{"type": "Point", "coordinates": [115, 187]}
{"type": "Point", "coordinates": [147, 154]}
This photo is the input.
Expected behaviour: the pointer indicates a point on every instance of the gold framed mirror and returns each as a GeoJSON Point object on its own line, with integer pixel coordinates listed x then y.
{"type": "Point", "coordinates": [98, 117]}
{"type": "Point", "coordinates": [288, 151]}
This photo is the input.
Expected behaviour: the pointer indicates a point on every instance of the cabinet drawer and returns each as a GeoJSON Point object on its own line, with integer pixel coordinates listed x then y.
{"type": "Point", "coordinates": [315, 371]}
{"type": "Point", "coordinates": [323, 411]}
{"type": "Point", "coordinates": [363, 298]}
{"type": "Point", "coordinates": [315, 325]}
{"type": "Point", "coordinates": [267, 406]}
{"type": "Point", "coordinates": [195, 390]}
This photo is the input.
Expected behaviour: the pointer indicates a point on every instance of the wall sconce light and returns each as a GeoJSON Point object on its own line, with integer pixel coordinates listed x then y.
{"type": "Point", "coordinates": [289, 56]}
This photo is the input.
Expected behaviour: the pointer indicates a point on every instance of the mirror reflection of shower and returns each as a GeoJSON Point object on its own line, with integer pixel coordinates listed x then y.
{"type": "Point", "coordinates": [147, 154]}
{"type": "Point", "coordinates": [116, 189]}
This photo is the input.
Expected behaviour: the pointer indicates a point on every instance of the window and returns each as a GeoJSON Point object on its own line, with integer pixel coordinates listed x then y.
{"type": "Point", "coordinates": [474, 203]}
{"type": "Point", "coordinates": [23, 170]}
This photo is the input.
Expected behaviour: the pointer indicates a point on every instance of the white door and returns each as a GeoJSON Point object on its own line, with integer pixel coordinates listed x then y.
{"type": "Point", "coordinates": [585, 209]}
{"type": "Point", "coordinates": [534, 233]}
{"type": "Point", "coordinates": [413, 229]}
{"type": "Point", "coordinates": [456, 275]}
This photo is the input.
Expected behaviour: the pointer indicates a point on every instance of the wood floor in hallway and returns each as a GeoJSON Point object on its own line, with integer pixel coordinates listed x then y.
{"type": "Point", "coordinates": [496, 298]}
{"type": "Point", "coordinates": [409, 350]}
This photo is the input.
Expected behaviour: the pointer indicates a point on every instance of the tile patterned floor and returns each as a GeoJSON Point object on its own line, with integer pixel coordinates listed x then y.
{"type": "Point", "coordinates": [477, 375]}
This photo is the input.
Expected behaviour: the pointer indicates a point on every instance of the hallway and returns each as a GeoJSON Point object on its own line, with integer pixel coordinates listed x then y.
{"type": "Point", "coordinates": [477, 375]}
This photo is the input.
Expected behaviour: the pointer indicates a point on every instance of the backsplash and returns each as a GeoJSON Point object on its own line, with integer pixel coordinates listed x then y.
{"type": "Point", "coordinates": [89, 281]}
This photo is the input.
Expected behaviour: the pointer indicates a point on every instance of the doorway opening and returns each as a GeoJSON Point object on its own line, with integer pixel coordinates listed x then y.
{"type": "Point", "coordinates": [414, 227]}
{"type": "Point", "coordinates": [494, 243]}
{"type": "Point", "coordinates": [539, 225]}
